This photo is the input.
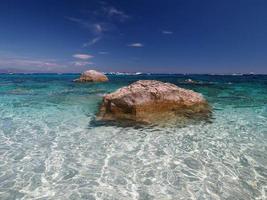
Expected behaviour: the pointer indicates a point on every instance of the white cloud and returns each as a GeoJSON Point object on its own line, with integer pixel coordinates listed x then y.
{"type": "Point", "coordinates": [136, 45]}
{"type": "Point", "coordinates": [82, 56]}
{"type": "Point", "coordinates": [167, 32]}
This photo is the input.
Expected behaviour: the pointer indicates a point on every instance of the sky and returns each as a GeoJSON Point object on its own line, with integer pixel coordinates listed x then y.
{"type": "Point", "coordinates": [160, 36]}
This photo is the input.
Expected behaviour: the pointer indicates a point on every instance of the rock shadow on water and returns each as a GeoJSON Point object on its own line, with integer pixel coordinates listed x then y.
{"type": "Point", "coordinates": [180, 121]}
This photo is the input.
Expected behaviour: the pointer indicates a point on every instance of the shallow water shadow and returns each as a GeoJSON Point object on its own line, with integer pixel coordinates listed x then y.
{"type": "Point", "coordinates": [121, 123]}
{"type": "Point", "coordinates": [139, 125]}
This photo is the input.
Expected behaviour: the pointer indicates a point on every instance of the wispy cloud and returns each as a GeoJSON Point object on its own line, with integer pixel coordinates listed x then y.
{"type": "Point", "coordinates": [81, 63]}
{"type": "Point", "coordinates": [82, 56]}
{"type": "Point", "coordinates": [115, 13]}
{"type": "Point", "coordinates": [136, 45]}
{"type": "Point", "coordinates": [79, 21]}
{"type": "Point", "coordinates": [109, 12]}
{"type": "Point", "coordinates": [103, 52]}
{"type": "Point", "coordinates": [21, 62]}
{"type": "Point", "coordinates": [95, 28]}
{"type": "Point", "coordinates": [100, 21]}
{"type": "Point", "coordinates": [92, 42]}
{"type": "Point", "coordinates": [103, 19]}
{"type": "Point", "coordinates": [98, 28]}
{"type": "Point", "coordinates": [29, 64]}
{"type": "Point", "coordinates": [167, 32]}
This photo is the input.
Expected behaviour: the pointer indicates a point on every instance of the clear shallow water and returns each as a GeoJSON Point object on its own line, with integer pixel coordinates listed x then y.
{"type": "Point", "coordinates": [50, 149]}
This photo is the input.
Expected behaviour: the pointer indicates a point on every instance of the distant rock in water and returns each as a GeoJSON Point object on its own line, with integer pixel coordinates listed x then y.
{"type": "Point", "coordinates": [196, 82]}
{"type": "Point", "coordinates": [153, 102]}
{"type": "Point", "coordinates": [92, 76]}
{"type": "Point", "coordinates": [190, 81]}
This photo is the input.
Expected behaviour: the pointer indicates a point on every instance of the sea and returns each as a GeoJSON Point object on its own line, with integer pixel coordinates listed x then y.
{"type": "Point", "coordinates": [52, 148]}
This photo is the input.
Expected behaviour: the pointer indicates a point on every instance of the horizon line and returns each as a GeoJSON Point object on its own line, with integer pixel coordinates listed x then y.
{"type": "Point", "coordinates": [136, 73]}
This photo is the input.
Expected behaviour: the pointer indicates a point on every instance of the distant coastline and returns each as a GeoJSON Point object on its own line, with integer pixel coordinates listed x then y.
{"type": "Point", "coordinates": [138, 73]}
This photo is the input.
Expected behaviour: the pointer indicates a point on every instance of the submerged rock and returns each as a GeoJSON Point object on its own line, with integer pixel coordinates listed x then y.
{"type": "Point", "coordinates": [92, 76]}
{"type": "Point", "coordinates": [150, 101]}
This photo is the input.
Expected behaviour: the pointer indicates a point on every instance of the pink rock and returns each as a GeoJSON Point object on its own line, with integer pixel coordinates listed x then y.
{"type": "Point", "coordinates": [150, 101]}
{"type": "Point", "coordinates": [92, 76]}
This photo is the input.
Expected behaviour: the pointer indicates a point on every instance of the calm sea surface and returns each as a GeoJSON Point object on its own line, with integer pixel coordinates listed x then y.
{"type": "Point", "coordinates": [50, 147]}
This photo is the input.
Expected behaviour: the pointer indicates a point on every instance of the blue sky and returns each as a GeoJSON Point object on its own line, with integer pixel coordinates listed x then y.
{"type": "Point", "coordinates": [170, 36]}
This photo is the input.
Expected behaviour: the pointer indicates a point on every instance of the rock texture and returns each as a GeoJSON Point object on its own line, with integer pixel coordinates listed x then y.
{"type": "Point", "coordinates": [92, 76]}
{"type": "Point", "coordinates": [149, 101]}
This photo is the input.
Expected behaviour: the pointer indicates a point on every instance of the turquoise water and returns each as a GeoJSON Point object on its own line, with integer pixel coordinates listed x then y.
{"type": "Point", "coordinates": [50, 147]}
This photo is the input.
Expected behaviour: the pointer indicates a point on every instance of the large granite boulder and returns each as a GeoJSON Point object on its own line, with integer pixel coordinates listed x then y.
{"type": "Point", "coordinates": [150, 101]}
{"type": "Point", "coordinates": [92, 76]}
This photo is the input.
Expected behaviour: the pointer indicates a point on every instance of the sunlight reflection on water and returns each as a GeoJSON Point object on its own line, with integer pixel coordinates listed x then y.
{"type": "Point", "coordinates": [50, 150]}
